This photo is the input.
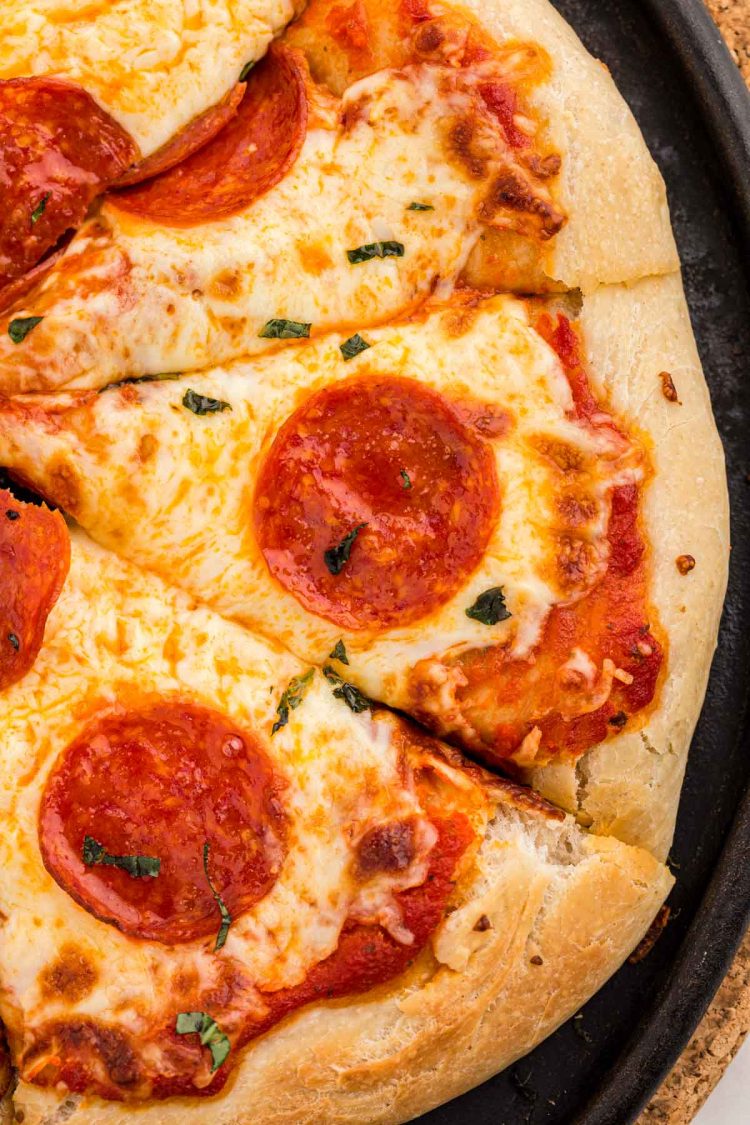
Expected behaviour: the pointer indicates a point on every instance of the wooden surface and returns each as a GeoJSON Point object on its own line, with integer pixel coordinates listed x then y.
{"type": "Point", "coordinates": [727, 1022]}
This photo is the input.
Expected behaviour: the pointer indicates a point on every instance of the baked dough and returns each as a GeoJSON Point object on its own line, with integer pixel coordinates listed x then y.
{"type": "Point", "coordinates": [630, 786]}
{"type": "Point", "coordinates": [566, 901]}
{"type": "Point", "coordinates": [192, 508]}
{"type": "Point", "coordinates": [618, 225]}
{"type": "Point", "coordinates": [564, 908]}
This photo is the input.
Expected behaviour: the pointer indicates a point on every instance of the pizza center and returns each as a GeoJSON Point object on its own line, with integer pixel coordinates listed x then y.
{"type": "Point", "coordinates": [164, 821]}
{"type": "Point", "coordinates": [375, 502]}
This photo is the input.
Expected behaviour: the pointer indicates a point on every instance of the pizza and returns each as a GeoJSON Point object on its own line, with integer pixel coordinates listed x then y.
{"type": "Point", "coordinates": [359, 574]}
{"type": "Point", "coordinates": [97, 94]}
{"type": "Point", "coordinates": [438, 153]}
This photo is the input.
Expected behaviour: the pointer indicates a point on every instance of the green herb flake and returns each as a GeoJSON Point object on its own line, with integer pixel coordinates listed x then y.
{"type": "Point", "coordinates": [16, 644]}
{"type": "Point", "coordinates": [211, 1035]}
{"type": "Point", "coordinates": [375, 250]}
{"type": "Point", "coordinates": [354, 699]}
{"type": "Point", "coordinates": [226, 917]}
{"type": "Point", "coordinates": [489, 608]}
{"type": "Point", "coordinates": [353, 346]}
{"type": "Point", "coordinates": [137, 866]}
{"type": "Point", "coordinates": [38, 211]}
{"type": "Point", "coordinates": [245, 72]}
{"type": "Point", "coordinates": [292, 698]}
{"type": "Point", "coordinates": [201, 404]}
{"type": "Point", "coordinates": [420, 207]}
{"type": "Point", "coordinates": [405, 479]}
{"type": "Point", "coordinates": [158, 377]}
{"type": "Point", "coordinates": [338, 652]}
{"type": "Point", "coordinates": [19, 328]}
{"type": "Point", "coordinates": [285, 330]}
{"type": "Point", "coordinates": [337, 557]}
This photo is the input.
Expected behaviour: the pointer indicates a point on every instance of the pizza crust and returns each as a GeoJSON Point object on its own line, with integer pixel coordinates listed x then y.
{"type": "Point", "coordinates": [630, 786]}
{"type": "Point", "coordinates": [550, 890]}
{"type": "Point", "coordinates": [618, 226]}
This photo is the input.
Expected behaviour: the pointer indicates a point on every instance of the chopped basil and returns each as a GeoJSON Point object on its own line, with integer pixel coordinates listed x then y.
{"type": "Point", "coordinates": [19, 328]}
{"type": "Point", "coordinates": [292, 698]}
{"type": "Point", "coordinates": [353, 346]}
{"type": "Point", "coordinates": [159, 377]}
{"type": "Point", "coordinates": [420, 207]}
{"type": "Point", "coordinates": [375, 250]}
{"type": "Point", "coordinates": [246, 71]}
{"type": "Point", "coordinates": [351, 695]}
{"type": "Point", "coordinates": [137, 866]}
{"type": "Point", "coordinates": [14, 641]}
{"type": "Point", "coordinates": [38, 211]}
{"type": "Point", "coordinates": [201, 404]}
{"type": "Point", "coordinates": [337, 557]}
{"type": "Point", "coordinates": [405, 479]}
{"type": "Point", "coordinates": [226, 917]}
{"type": "Point", "coordinates": [200, 1023]}
{"type": "Point", "coordinates": [489, 608]}
{"type": "Point", "coordinates": [285, 330]}
{"type": "Point", "coordinates": [338, 652]}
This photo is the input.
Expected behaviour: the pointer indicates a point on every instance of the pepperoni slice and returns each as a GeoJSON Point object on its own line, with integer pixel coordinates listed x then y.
{"type": "Point", "coordinates": [34, 561]}
{"type": "Point", "coordinates": [381, 470]}
{"type": "Point", "coordinates": [244, 161]}
{"type": "Point", "coordinates": [15, 291]}
{"type": "Point", "coordinates": [162, 782]}
{"type": "Point", "coordinates": [58, 150]}
{"type": "Point", "coordinates": [195, 135]}
{"type": "Point", "coordinates": [90, 1056]}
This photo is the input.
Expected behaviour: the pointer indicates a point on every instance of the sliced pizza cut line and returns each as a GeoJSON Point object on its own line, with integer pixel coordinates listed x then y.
{"type": "Point", "coordinates": [299, 213]}
{"type": "Point", "coordinates": [84, 103]}
{"type": "Point", "coordinates": [398, 876]}
{"type": "Point", "coordinates": [502, 597]}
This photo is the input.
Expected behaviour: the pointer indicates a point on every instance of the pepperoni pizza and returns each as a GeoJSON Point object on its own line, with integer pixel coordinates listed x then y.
{"type": "Point", "coordinates": [351, 647]}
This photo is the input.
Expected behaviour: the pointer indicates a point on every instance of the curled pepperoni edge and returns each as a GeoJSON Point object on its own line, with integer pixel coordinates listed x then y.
{"type": "Point", "coordinates": [213, 183]}
{"type": "Point", "coordinates": [190, 139]}
{"type": "Point", "coordinates": [34, 563]}
{"type": "Point", "coordinates": [66, 111]}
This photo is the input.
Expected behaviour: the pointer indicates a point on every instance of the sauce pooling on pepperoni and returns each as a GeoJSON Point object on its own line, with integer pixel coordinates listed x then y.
{"type": "Point", "coordinates": [161, 782]}
{"type": "Point", "coordinates": [394, 460]}
{"type": "Point", "coordinates": [58, 151]}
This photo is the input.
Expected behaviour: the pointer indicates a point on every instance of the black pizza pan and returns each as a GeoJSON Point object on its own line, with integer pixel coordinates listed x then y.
{"type": "Point", "coordinates": [600, 1068]}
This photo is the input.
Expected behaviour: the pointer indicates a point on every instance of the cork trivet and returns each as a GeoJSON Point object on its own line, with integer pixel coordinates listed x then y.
{"type": "Point", "coordinates": [722, 1030]}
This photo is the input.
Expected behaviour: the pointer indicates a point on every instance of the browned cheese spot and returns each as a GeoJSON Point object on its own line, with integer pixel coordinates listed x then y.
{"type": "Point", "coordinates": [70, 977]}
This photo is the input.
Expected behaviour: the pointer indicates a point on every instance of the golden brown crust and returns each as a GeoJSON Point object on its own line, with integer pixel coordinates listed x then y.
{"type": "Point", "coordinates": [477, 1001]}
{"type": "Point", "coordinates": [618, 226]}
{"type": "Point", "coordinates": [630, 786]}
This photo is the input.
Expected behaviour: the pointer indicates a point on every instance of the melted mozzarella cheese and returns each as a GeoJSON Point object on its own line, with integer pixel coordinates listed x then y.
{"type": "Point", "coordinates": [152, 64]}
{"type": "Point", "coordinates": [174, 492]}
{"type": "Point", "coordinates": [132, 297]}
{"type": "Point", "coordinates": [119, 635]}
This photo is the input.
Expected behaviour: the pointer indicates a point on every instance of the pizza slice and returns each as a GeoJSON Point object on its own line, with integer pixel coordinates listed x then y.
{"type": "Point", "coordinates": [380, 153]}
{"type": "Point", "coordinates": [489, 516]}
{"type": "Point", "coordinates": [93, 94]}
{"type": "Point", "coordinates": [225, 883]}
